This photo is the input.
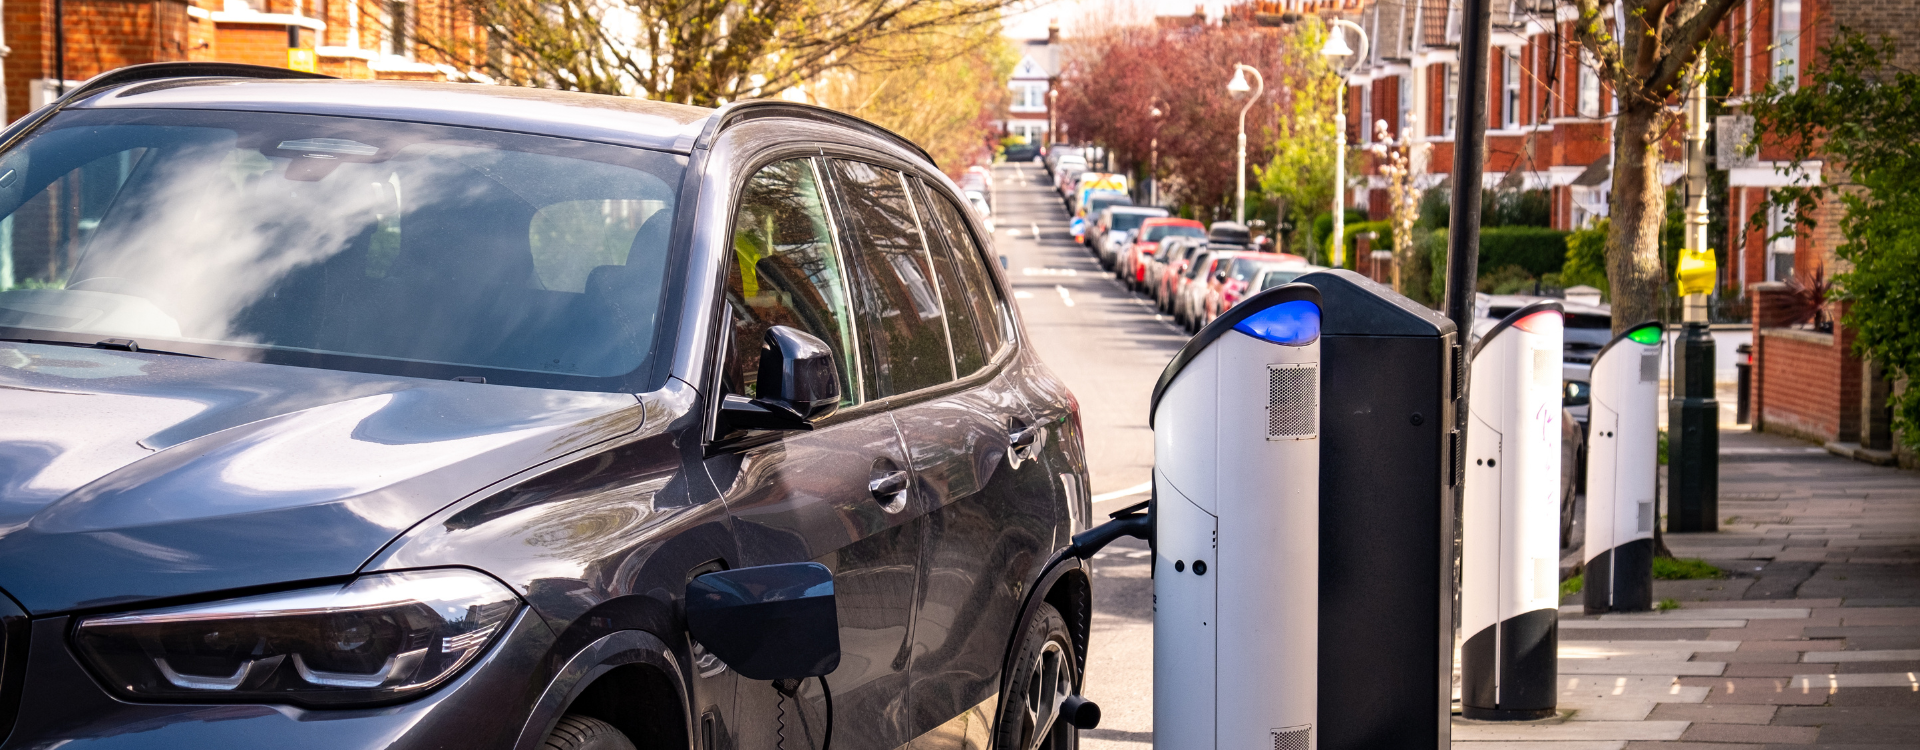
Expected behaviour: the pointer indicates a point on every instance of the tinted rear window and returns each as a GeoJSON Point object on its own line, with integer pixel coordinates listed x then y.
{"type": "Point", "coordinates": [1155, 234]}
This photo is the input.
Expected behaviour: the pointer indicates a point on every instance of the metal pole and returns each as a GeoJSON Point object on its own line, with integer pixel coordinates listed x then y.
{"type": "Point", "coordinates": [1339, 238]}
{"type": "Point", "coordinates": [1693, 414]}
{"type": "Point", "coordinates": [1469, 157]}
{"type": "Point", "coordinates": [1240, 174]}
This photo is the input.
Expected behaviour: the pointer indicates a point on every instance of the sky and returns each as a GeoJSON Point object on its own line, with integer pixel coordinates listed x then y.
{"type": "Point", "coordinates": [1028, 18]}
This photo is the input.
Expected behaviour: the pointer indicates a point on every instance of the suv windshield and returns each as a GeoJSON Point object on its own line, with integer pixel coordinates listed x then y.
{"type": "Point", "coordinates": [340, 243]}
{"type": "Point", "coordinates": [1127, 221]}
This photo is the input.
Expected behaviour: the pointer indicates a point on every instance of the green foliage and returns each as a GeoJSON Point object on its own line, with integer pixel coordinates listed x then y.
{"type": "Point", "coordinates": [1572, 586]}
{"type": "Point", "coordinates": [1323, 233]}
{"type": "Point", "coordinates": [1538, 250]}
{"type": "Point", "coordinates": [1508, 279]}
{"type": "Point", "coordinates": [1861, 114]}
{"type": "Point", "coordinates": [1516, 208]}
{"type": "Point", "coordinates": [1355, 229]}
{"type": "Point", "coordinates": [1661, 449]}
{"type": "Point", "coordinates": [1684, 569]}
{"type": "Point", "coordinates": [1587, 257]}
{"type": "Point", "coordinates": [1299, 175]}
{"type": "Point", "coordinates": [1666, 604]}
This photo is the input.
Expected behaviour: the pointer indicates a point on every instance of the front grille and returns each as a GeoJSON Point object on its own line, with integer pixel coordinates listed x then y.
{"type": "Point", "coordinates": [1293, 401]}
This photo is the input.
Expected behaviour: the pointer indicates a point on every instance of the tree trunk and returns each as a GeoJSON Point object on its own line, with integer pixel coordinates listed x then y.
{"type": "Point", "coordinates": [1639, 209]}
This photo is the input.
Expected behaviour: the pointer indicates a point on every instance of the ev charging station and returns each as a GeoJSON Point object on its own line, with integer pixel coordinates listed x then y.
{"type": "Point", "coordinates": [1235, 512]}
{"type": "Point", "coordinates": [1623, 432]}
{"type": "Point", "coordinates": [1303, 567]}
{"type": "Point", "coordinates": [1510, 535]}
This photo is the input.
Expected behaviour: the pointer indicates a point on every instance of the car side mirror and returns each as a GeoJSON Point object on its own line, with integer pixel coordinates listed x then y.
{"type": "Point", "coordinates": [772, 622]}
{"type": "Point", "coordinates": [797, 381]}
{"type": "Point", "coordinates": [1220, 277]}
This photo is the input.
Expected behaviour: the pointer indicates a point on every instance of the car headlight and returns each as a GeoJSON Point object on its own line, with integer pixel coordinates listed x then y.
{"type": "Point", "coordinates": [380, 637]}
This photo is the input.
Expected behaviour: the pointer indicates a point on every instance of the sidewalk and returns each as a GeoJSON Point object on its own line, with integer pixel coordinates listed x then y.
{"type": "Point", "coordinates": [1813, 640]}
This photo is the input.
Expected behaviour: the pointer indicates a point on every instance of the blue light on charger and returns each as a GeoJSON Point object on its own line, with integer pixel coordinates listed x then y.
{"type": "Point", "coordinates": [1295, 323]}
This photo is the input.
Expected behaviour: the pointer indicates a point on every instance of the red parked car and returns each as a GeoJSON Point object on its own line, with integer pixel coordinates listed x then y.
{"type": "Point", "coordinates": [1132, 265]}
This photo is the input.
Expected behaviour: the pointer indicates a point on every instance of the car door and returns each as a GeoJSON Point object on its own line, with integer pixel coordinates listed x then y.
{"type": "Point", "coordinates": [973, 446]}
{"type": "Point", "coordinates": [809, 496]}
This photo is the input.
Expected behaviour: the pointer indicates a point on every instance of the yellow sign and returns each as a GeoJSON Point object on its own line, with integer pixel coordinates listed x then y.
{"type": "Point", "coordinates": [302, 60]}
{"type": "Point", "coordinates": [1698, 271]}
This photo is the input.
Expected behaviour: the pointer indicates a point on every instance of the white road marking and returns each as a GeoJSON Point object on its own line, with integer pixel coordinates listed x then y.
{"type": "Point", "coordinates": [1023, 295]}
{"type": "Point", "coordinates": [1035, 228]}
{"type": "Point", "coordinates": [1029, 271]}
{"type": "Point", "coordinates": [1013, 233]}
{"type": "Point", "coordinates": [1134, 490]}
{"type": "Point", "coordinates": [1064, 295]}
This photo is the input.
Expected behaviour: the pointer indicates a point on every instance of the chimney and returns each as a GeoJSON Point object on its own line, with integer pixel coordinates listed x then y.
{"type": "Point", "coordinates": [1053, 31]}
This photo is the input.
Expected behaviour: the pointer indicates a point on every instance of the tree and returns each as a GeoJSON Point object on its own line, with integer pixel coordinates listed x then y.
{"type": "Point", "coordinates": [946, 104]}
{"type": "Point", "coordinates": [1112, 81]}
{"type": "Point", "coordinates": [703, 52]}
{"type": "Point", "coordinates": [1299, 175]}
{"type": "Point", "coordinates": [1861, 115]}
{"type": "Point", "coordinates": [1398, 162]}
{"type": "Point", "coordinates": [1646, 60]}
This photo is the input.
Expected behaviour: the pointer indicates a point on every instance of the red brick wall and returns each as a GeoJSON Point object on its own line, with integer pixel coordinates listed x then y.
{"type": "Point", "coordinates": [1805, 385]}
{"type": "Point", "coordinates": [101, 35]}
{"type": "Point", "coordinates": [252, 44]}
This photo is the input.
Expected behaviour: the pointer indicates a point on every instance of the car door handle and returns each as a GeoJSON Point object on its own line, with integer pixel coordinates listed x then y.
{"type": "Point", "coordinates": [888, 487]}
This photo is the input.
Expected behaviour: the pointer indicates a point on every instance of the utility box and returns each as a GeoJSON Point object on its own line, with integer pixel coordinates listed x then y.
{"type": "Point", "coordinates": [1510, 514]}
{"type": "Point", "coordinates": [1623, 466]}
{"type": "Point", "coordinates": [1236, 421]}
{"type": "Point", "coordinates": [1387, 517]}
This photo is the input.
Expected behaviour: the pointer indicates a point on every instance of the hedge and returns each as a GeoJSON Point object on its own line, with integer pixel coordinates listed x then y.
{"type": "Point", "coordinates": [1538, 250]}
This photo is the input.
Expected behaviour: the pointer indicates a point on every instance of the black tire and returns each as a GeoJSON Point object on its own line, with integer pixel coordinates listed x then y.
{"type": "Point", "coordinates": [576, 732]}
{"type": "Point", "coordinates": [1044, 671]}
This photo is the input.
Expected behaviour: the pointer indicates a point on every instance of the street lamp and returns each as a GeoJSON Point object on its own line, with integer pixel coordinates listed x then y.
{"type": "Point", "coordinates": [1336, 48]}
{"type": "Point", "coordinates": [1238, 88]}
{"type": "Point", "coordinates": [1153, 170]}
{"type": "Point", "coordinates": [1053, 98]}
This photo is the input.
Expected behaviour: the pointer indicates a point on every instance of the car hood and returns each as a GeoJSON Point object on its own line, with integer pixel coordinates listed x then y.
{"type": "Point", "coordinates": [131, 476]}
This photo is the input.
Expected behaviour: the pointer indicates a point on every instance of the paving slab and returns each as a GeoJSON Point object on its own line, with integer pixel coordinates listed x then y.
{"type": "Point", "coordinates": [1714, 713]}
{"type": "Point", "coordinates": [1750, 733]}
{"type": "Point", "coordinates": [1571, 730]}
{"type": "Point", "coordinates": [1839, 656]}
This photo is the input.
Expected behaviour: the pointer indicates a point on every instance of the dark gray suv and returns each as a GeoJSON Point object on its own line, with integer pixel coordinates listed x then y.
{"type": "Point", "coordinates": [342, 414]}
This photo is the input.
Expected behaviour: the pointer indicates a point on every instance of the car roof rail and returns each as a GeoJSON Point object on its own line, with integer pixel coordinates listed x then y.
{"type": "Point", "coordinates": [753, 109]}
{"type": "Point", "coordinates": [147, 72]}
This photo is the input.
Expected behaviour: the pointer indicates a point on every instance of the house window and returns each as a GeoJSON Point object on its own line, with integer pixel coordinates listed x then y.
{"type": "Point", "coordinates": [1786, 41]}
{"type": "Point", "coordinates": [1780, 251]}
{"type": "Point", "coordinates": [1029, 96]}
{"type": "Point", "coordinates": [1452, 98]}
{"type": "Point", "coordinates": [1404, 87]}
{"type": "Point", "coordinates": [1510, 77]}
{"type": "Point", "coordinates": [1589, 102]}
{"type": "Point", "coordinates": [398, 24]}
{"type": "Point", "coordinates": [1366, 115]}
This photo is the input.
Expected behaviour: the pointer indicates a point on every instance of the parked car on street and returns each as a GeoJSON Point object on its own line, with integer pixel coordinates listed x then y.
{"type": "Point", "coordinates": [1066, 172]}
{"type": "Point", "coordinates": [383, 414]}
{"type": "Point", "coordinates": [1171, 267]}
{"type": "Point", "coordinates": [1022, 152]}
{"type": "Point", "coordinates": [1056, 152]}
{"type": "Point", "coordinates": [1137, 259]}
{"type": "Point", "coordinates": [1282, 273]}
{"type": "Point", "coordinates": [1236, 281]}
{"type": "Point", "coordinates": [1111, 232]}
{"type": "Point", "coordinates": [1091, 205]}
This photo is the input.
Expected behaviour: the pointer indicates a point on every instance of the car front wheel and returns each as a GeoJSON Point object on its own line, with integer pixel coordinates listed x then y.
{"type": "Point", "coordinates": [1044, 674]}
{"type": "Point", "coordinates": [577, 732]}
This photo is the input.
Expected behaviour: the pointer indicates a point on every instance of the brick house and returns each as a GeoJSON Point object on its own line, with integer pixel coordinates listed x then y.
{"type": "Point", "coordinates": [1029, 109]}
{"type": "Point", "coordinates": [1548, 111]}
{"type": "Point", "coordinates": [345, 38]}
{"type": "Point", "coordinates": [1806, 383]}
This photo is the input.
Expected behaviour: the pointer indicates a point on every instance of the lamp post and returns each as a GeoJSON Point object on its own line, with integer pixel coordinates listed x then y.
{"type": "Point", "coordinates": [1238, 88]}
{"type": "Point", "coordinates": [1336, 48]}
{"type": "Point", "coordinates": [1053, 98]}
{"type": "Point", "coordinates": [1153, 164]}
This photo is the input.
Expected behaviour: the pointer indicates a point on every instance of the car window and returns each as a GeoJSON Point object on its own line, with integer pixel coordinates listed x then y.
{"type": "Point", "coordinates": [995, 320]}
{"type": "Point", "coordinates": [956, 295]}
{"type": "Point", "coordinates": [1278, 278]}
{"type": "Point", "coordinates": [896, 296]}
{"type": "Point", "coordinates": [340, 243]}
{"type": "Point", "coordinates": [1200, 264]}
{"type": "Point", "coordinates": [786, 273]}
{"type": "Point", "coordinates": [1245, 268]}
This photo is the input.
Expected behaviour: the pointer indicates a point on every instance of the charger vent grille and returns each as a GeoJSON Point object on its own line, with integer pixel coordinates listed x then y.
{"type": "Point", "coordinates": [1644, 515]}
{"type": "Point", "coordinates": [1650, 367]}
{"type": "Point", "coordinates": [1293, 738]}
{"type": "Point", "coordinates": [1293, 401]}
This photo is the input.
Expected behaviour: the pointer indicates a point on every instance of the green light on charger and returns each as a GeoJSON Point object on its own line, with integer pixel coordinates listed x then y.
{"type": "Point", "coordinates": [1649, 335]}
